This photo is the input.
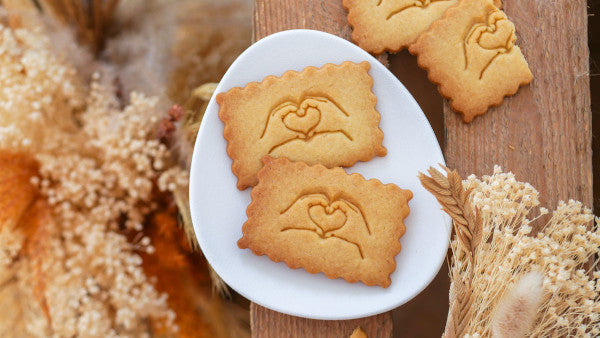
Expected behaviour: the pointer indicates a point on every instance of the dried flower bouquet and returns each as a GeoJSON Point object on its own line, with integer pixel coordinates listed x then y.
{"type": "Point", "coordinates": [93, 166]}
{"type": "Point", "coordinates": [507, 279]}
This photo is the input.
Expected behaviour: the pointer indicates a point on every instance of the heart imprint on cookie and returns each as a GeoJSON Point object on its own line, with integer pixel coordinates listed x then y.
{"type": "Point", "coordinates": [335, 219]}
{"type": "Point", "coordinates": [499, 35]}
{"type": "Point", "coordinates": [291, 122]}
{"type": "Point", "coordinates": [485, 42]}
{"type": "Point", "coordinates": [327, 218]}
{"type": "Point", "coordinates": [302, 120]}
{"type": "Point", "coordinates": [422, 4]}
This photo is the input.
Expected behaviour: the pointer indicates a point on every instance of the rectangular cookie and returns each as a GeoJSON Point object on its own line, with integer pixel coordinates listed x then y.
{"type": "Point", "coordinates": [324, 220]}
{"type": "Point", "coordinates": [472, 56]}
{"type": "Point", "coordinates": [391, 25]}
{"type": "Point", "coordinates": [319, 115]}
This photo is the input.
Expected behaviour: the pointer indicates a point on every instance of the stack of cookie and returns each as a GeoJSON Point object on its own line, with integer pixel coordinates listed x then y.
{"type": "Point", "coordinates": [288, 137]}
{"type": "Point", "coordinates": [467, 46]}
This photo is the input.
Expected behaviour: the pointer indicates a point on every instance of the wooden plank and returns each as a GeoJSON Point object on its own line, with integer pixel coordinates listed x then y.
{"type": "Point", "coordinates": [425, 315]}
{"type": "Point", "coordinates": [270, 324]}
{"type": "Point", "coordinates": [271, 16]}
{"type": "Point", "coordinates": [543, 134]}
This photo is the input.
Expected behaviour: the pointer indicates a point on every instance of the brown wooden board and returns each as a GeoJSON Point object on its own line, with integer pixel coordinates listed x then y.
{"type": "Point", "coordinates": [272, 16]}
{"type": "Point", "coordinates": [543, 134]}
{"type": "Point", "coordinates": [270, 324]}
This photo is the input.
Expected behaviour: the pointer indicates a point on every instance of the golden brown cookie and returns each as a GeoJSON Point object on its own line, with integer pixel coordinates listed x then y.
{"type": "Point", "coordinates": [320, 115]}
{"type": "Point", "coordinates": [324, 220]}
{"type": "Point", "coordinates": [472, 56]}
{"type": "Point", "coordinates": [391, 25]}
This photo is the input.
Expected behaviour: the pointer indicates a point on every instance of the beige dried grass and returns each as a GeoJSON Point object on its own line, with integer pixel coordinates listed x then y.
{"type": "Point", "coordinates": [91, 19]}
{"type": "Point", "coordinates": [508, 250]}
{"type": "Point", "coordinates": [450, 193]}
{"type": "Point", "coordinates": [99, 162]}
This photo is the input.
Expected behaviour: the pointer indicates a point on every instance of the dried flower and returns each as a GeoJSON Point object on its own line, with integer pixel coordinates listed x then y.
{"type": "Point", "coordinates": [454, 199]}
{"type": "Point", "coordinates": [561, 251]}
{"type": "Point", "coordinates": [76, 265]}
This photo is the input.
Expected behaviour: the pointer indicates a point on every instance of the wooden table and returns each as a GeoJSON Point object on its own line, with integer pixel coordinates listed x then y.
{"type": "Point", "coordinates": [543, 134]}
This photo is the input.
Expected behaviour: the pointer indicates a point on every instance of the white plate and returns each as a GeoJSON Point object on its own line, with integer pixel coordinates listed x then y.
{"type": "Point", "coordinates": [219, 208]}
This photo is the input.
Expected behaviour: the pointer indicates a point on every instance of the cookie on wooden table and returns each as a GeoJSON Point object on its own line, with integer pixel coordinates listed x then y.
{"type": "Point", "coordinates": [471, 54]}
{"type": "Point", "coordinates": [324, 220]}
{"type": "Point", "coordinates": [319, 115]}
{"type": "Point", "coordinates": [391, 25]}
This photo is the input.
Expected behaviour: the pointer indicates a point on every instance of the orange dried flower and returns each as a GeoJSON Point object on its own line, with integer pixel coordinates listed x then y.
{"type": "Point", "coordinates": [36, 223]}
{"type": "Point", "coordinates": [184, 276]}
{"type": "Point", "coordinates": [16, 190]}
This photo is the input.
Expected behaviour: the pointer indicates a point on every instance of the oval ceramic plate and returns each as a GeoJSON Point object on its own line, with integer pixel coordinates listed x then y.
{"type": "Point", "coordinates": [219, 208]}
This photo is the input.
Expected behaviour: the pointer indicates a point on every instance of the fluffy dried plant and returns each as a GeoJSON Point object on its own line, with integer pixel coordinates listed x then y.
{"type": "Point", "coordinates": [502, 280]}
{"type": "Point", "coordinates": [88, 248]}
{"type": "Point", "coordinates": [90, 18]}
{"type": "Point", "coordinates": [516, 312]}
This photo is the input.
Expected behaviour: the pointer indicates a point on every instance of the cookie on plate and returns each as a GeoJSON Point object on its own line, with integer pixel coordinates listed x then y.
{"type": "Point", "coordinates": [319, 115]}
{"type": "Point", "coordinates": [471, 54]}
{"type": "Point", "coordinates": [324, 220]}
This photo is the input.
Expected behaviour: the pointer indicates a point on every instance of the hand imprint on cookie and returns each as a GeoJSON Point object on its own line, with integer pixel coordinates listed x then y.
{"type": "Point", "coordinates": [423, 4]}
{"type": "Point", "coordinates": [331, 219]}
{"type": "Point", "coordinates": [315, 115]}
{"type": "Point", "coordinates": [485, 42]}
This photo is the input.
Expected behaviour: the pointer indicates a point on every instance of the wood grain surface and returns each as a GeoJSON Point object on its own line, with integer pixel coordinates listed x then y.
{"type": "Point", "coordinates": [270, 324]}
{"type": "Point", "coordinates": [543, 134]}
{"type": "Point", "coordinates": [272, 16]}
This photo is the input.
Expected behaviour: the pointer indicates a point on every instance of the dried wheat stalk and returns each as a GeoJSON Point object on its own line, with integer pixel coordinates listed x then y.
{"type": "Point", "coordinates": [90, 18]}
{"type": "Point", "coordinates": [454, 199]}
{"type": "Point", "coordinates": [450, 193]}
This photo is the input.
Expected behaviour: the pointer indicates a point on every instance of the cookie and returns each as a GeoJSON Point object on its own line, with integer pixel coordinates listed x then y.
{"type": "Point", "coordinates": [391, 25]}
{"type": "Point", "coordinates": [324, 220]}
{"type": "Point", "coordinates": [472, 56]}
{"type": "Point", "coordinates": [319, 115]}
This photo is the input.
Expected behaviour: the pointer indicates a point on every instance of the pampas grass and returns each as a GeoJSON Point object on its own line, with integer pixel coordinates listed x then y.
{"type": "Point", "coordinates": [517, 310]}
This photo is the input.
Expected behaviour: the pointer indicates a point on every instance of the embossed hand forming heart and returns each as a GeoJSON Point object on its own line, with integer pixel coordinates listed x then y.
{"type": "Point", "coordinates": [500, 35]}
{"type": "Point", "coordinates": [303, 120]}
{"type": "Point", "coordinates": [327, 218]}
